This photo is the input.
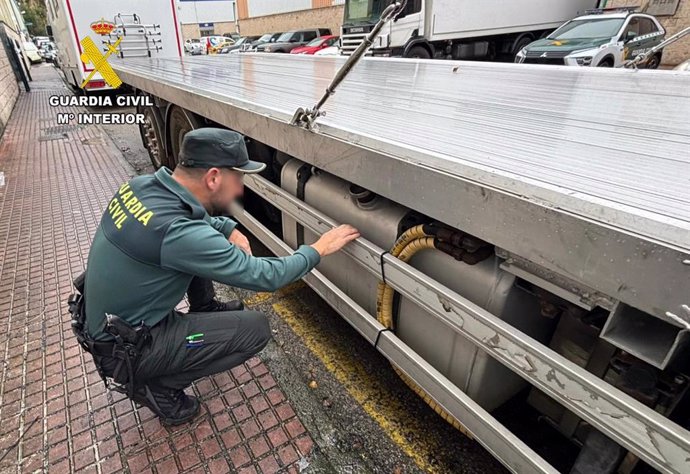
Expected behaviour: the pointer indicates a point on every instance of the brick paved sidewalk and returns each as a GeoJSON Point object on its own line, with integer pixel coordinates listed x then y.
{"type": "Point", "coordinates": [57, 182]}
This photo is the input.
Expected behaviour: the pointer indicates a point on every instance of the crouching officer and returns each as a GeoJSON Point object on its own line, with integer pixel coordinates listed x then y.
{"type": "Point", "coordinates": [157, 241]}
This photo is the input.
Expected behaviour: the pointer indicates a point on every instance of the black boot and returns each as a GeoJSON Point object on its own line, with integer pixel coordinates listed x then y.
{"type": "Point", "coordinates": [202, 298]}
{"type": "Point", "coordinates": [173, 407]}
{"type": "Point", "coordinates": [216, 306]}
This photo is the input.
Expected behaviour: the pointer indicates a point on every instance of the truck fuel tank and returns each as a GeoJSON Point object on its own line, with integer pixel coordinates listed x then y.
{"type": "Point", "coordinates": [381, 221]}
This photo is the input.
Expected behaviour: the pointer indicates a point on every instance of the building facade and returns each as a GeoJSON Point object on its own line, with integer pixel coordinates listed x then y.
{"type": "Point", "coordinates": [12, 35]}
{"type": "Point", "coordinates": [256, 17]}
{"type": "Point", "coordinates": [674, 15]}
{"type": "Point", "coordinates": [206, 17]}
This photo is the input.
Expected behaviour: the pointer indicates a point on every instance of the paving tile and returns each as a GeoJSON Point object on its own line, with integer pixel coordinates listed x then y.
{"type": "Point", "coordinates": [259, 446]}
{"type": "Point", "coordinates": [188, 458]}
{"type": "Point", "coordinates": [269, 465]}
{"type": "Point", "coordinates": [240, 456]}
{"type": "Point", "coordinates": [277, 437]}
{"type": "Point", "coordinates": [288, 455]}
{"type": "Point", "coordinates": [218, 466]}
{"type": "Point", "coordinates": [222, 421]}
{"type": "Point", "coordinates": [210, 447]}
{"type": "Point", "coordinates": [231, 438]}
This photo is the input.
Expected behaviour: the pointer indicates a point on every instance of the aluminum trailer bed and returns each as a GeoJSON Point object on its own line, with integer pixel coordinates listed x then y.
{"type": "Point", "coordinates": [579, 176]}
{"type": "Point", "coordinates": [583, 172]}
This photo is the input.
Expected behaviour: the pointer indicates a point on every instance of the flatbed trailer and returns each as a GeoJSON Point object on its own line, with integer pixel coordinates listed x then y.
{"type": "Point", "coordinates": [577, 178]}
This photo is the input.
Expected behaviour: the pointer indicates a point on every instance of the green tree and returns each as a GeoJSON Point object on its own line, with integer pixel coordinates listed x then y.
{"type": "Point", "coordinates": [35, 13]}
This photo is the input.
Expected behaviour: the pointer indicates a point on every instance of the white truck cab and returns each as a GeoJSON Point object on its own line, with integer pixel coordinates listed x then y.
{"type": "Point", "coordinates": [456, 29]}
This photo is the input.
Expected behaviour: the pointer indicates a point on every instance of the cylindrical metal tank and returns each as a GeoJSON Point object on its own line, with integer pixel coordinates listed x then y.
{"type": "Point", "coordinates": [381, 221]}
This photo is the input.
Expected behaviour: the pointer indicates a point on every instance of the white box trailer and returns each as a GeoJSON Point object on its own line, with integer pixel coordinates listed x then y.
{"type": "Point", "coordinates": [534, 235]}
{"type": "Point", "coordinates": [148, 29]}
{"type": "Point", "coordinates": [458, 29]}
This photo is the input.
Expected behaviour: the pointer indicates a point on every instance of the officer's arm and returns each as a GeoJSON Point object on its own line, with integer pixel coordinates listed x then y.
{"type": "Point", "coordinates": [193, 247]}
{"type": "Point", "coordinates": [224, 225]}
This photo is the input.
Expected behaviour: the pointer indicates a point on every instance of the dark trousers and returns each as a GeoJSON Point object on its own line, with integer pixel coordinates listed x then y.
{"type": "Point", "coordinates": [226, 339]}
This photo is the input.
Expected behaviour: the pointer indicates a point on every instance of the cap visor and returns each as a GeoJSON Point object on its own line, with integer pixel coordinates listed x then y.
{"type": "Point", "coordinates": [250, 167]}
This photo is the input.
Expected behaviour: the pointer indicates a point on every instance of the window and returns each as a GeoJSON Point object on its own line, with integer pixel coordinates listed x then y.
{"type": "Point", "coordinates": [324, 31]}
{"type": "Point", "coordinates": [332, 41]}
{"type": "Point", "coordinates": [647, 26]}
{"type": "Point", "coordinates": [632, 30]}
{"type": "Point", "coordinates": [584, 29]}
{"type": "Point", "coordinates": [413, 6]}
{"type": "Point", "coordinates": [308, 36]}
{"type": "Point", "coordinates": [315, 42]}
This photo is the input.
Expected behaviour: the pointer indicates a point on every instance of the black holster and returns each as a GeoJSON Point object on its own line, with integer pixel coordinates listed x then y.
{"type": "Point", "coordinates": [128, 345]}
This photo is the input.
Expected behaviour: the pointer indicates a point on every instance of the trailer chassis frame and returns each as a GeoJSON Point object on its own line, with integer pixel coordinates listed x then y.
{"type": "Point", "coordinates": [643, 431]}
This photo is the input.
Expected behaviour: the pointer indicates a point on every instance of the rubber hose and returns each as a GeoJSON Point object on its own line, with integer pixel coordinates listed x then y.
{"type": "Point", "coordinates": [384, 314]}
{"type": "Point", "coordinates": [413, 233]}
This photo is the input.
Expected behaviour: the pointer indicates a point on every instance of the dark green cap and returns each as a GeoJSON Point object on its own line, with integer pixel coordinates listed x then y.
{"type": "Point", "coordinates": [217, 148]}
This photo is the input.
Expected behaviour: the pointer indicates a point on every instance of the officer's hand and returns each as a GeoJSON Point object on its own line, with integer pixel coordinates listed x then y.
{"type": "Point", "coordinates": [237, 238]}
{"type": "Point", "coordinates": [335, 239]}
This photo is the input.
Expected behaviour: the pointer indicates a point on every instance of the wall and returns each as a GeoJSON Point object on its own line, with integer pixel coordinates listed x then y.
{"type": "Point", "coordinates": [328, 17]}
{"type": "Point", "coordinates": [275, 7]}
{"type": "Point", "coordinates": [191, 30]}
{"type": "Point", "coordinates": [219, 12]}
{"type": "Point", "coordinates": [9, 14]}
{"type": "Point", "coordinates": [679, 51]}
{"type": "Point", "coordinates": [9, 89]}
{"type": "Point", "coordinates": [205, 11]}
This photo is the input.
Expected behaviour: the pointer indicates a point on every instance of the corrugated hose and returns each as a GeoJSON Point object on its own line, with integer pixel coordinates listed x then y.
{"type": "Point", "coordinates": [408, 244]}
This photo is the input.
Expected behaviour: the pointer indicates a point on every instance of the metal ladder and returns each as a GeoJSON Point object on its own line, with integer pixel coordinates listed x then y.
{"type": "Point", "coordinates": [138, 39]}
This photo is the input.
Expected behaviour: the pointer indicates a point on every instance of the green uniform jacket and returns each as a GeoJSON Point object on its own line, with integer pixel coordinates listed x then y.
{"type": "Point", "coordinates": [153, 238]}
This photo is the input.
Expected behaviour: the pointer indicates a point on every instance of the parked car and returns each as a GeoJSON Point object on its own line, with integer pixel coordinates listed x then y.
{"type": "Point", "coordinates": [48, 51]}
{"type": "Point", "coordinates": [684, 66]}
{"type": "Point", "coordinates": [293, 39]}
{"type": "Point", "coordinates": [317, 44]}
{"type": "Point", "coordinates": [265, 39]}
{"type": "Point", "coordinates": [330, 51]}
{"type": "Point", "coordinates": [31, 52]}
{"type": "Point", "coordinates": [214, 44]}
{"type": "Point", "coordinates": [233, 36]}
{"type": "Point", "coordinates": [241, 44]}
{"type": "Point", "coordinates": [194, 46]}
{"type": "Point", "coordinates": [39, 41]}
{"type": "Point", "coordinates": [603, 38]}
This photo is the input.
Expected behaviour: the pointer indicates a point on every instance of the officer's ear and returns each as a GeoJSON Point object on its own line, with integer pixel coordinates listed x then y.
{"type": "Point", "coordinates": [213, 178]}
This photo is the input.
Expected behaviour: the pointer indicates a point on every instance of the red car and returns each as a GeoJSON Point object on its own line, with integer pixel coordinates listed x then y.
{"type": "Point", "coordinates": [316, 44]}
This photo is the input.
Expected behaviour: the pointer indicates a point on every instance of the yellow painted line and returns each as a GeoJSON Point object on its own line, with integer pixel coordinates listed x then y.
{"type": "Point", "coordinates": [258, 299]}
{"type": "Point", "coordinates": [406, 430]}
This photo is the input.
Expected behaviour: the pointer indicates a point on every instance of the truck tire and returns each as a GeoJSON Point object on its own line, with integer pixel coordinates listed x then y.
{"type": "Point", "coordinates": [418, 52]}
{"type": "Point", "coordinates": [152, 135]}
{"type": "Point", "coordinates": [180, 121]}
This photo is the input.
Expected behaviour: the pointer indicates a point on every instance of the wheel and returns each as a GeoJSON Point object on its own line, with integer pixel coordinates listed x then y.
{"type": "Point", "coordinates": [180, 121]}
{"type": "Point", "coordinates": [608, 62]}
{"type": "Point", "coordinates": [653, 62]}
{"type": "Point", "coordinates": [418, 52]}
{"type": "Point", "coordinates": [524, 41]}
{"type": "Point", "coordinates": [152, 135]}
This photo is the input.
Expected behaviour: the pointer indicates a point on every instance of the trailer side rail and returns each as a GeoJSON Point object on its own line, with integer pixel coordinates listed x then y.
{"type": "Point", "coordinates": [656, 439]}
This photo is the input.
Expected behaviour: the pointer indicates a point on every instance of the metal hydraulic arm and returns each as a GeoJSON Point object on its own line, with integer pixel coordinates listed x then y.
{"type": "Point", "coordinates": [306, 117]}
